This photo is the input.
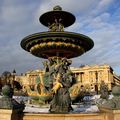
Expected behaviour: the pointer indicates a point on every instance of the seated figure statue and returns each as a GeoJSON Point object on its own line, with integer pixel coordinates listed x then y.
{"type": "Point", "coordinates": [7, 102]}
{"type": "Point", "coordinates": [104, 95]}
{"type": "Point", "coordinates": [113, 103]}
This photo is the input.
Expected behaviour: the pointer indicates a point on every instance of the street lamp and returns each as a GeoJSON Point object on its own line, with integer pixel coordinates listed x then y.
{"type": "Point", "coordinates": [96, 85]}
{"type": "Point", "coordinates": [13, 74]}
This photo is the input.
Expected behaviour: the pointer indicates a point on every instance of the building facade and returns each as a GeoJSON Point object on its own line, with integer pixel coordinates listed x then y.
{"type": "Point", "coordinates": [90, 76]}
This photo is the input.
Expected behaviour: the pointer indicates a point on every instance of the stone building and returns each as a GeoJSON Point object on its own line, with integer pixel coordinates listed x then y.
{"type": "Point", "coordinates": [29, 78]}
{"type": "Point", "coordinates": [89, 76]}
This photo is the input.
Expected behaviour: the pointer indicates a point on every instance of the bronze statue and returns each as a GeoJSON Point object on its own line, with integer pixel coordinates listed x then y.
{"type": "Point", "coordinates": [104, 90]}
{"type": "Point", "coordinates": [7, 102]}
{"type": "Point", "coordinates": [104, 95]}
{"type": "Point", "coordinates": [61, 102]}
{"type": "Point", "coordinates": [113, 103]}
{"type": "Point", "coordinates": [56, 26]}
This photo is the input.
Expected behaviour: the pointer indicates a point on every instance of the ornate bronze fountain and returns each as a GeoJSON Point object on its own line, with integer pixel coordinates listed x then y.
{"type": "Point", "coordinates": [58, 46]}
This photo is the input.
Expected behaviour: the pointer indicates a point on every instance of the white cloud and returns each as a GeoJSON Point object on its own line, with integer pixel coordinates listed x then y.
{"type": "Point", "coordinates": [102, 6]}
{"type": "Point", "coordinates": [74, 6]}
{"type": "Point", "coordinates": [106, 49]}
{"type": "Point", "coordinates": [20, 18]}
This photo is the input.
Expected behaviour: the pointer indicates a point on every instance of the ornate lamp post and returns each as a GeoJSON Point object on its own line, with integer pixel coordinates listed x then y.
{"type": "Point", "coordinates": [96, 85]}
{"type": "Point", "coordinates": [13, 75]}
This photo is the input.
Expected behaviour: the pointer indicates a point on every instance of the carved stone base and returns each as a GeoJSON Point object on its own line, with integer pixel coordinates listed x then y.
{"type": "Point", "coordinates": [6, 114]}
{"type": "Point", "coordinates": [110, 114]}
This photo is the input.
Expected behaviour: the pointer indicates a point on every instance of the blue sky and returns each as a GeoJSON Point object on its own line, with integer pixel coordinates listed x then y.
{"type": "Point", "coordinates": [98, 19]}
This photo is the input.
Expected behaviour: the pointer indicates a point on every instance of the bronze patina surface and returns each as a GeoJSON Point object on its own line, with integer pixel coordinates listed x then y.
{"type": "Point", "coordinates": [48, 44]}
{"type": "Point", "coordinates": [7, 102]}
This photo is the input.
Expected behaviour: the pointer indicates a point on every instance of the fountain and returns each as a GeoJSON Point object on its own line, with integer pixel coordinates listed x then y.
{"type": "Point", "coordinates": [58, 46]}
